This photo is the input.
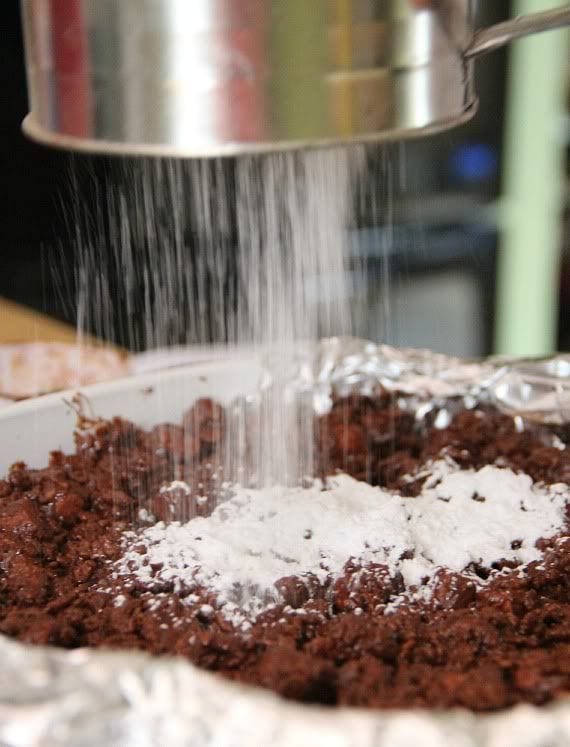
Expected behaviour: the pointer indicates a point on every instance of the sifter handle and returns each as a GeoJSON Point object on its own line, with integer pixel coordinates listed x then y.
{"type": "Point", "coordinates": [489, 39]}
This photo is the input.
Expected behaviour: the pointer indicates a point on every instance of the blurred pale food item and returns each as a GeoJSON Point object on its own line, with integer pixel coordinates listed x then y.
{"type": "Point", "coordinates": [38, 368]}
{"type": "Point", "coordinates": [39, 354]}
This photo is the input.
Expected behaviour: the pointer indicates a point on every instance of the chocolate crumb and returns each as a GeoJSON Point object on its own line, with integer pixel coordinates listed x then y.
{"type": "Point", "coordinates": [485, 639]}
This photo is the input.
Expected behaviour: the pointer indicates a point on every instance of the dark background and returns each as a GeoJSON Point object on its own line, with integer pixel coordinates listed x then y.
{"type": "Point", "coordinates": [30, 183]}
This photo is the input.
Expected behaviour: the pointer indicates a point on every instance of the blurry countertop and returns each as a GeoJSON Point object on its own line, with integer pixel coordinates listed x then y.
{"type": "Point", "coordinates": [20, 324]}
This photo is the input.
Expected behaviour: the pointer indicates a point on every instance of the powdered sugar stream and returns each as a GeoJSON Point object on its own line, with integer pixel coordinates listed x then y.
{"type": "Point", "coordinates": [250, 251]}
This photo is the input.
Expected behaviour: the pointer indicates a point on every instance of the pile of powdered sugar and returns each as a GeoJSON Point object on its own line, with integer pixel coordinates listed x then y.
{"type": "Point", "coordinates": [257, 537]}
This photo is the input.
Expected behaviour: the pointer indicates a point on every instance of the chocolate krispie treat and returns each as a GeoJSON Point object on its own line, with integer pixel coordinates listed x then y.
{"type": "Point", "coordinates": [425, 567]}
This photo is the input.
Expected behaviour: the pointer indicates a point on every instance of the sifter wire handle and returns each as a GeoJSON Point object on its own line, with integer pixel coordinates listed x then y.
{"type": "Point", "coordinates": [489, 39]}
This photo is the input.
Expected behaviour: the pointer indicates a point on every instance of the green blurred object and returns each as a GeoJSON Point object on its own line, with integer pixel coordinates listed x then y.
{"type": "Point", "coordinates": [533, 189]}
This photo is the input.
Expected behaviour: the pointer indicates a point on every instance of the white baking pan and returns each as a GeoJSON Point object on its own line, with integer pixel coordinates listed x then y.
{"type": "Point", "coordinates": [30, 430]}
{"type": "Point", "coordinates": [56, 697]}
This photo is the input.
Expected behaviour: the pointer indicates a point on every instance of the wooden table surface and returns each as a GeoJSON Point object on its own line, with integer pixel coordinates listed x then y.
{"type": "Point", "coordinates": [22, 324]}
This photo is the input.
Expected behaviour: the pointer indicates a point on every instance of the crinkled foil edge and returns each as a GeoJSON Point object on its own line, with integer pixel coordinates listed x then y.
{"type": "Point", "coordinates": [86, 698]}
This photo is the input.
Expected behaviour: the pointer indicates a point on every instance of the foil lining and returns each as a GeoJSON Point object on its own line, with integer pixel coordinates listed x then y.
{"type": "Point", "coordinates": [90, 698]}
{"type": "Point", "coordinates": [537, 389]}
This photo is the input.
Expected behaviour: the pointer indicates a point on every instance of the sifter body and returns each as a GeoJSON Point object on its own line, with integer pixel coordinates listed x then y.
{"type": "Point", "coordinates": [213, 77]}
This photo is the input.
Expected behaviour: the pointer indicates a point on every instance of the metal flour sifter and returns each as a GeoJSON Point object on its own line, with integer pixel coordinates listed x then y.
{"type": "Point", "coordinates": [198, 78]}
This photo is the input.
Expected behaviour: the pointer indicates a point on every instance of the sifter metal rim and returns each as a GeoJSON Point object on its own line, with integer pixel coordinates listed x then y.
{"type": "Point", "coordinates": [47, 137]}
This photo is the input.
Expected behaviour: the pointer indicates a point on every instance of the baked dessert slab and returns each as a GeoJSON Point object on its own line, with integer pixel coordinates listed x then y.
{"type": "Point", "coordinates": [388, 463]}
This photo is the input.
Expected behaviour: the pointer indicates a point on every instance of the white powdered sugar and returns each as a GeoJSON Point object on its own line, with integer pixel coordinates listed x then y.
{"type": "Point", "coordinates": [257, 537]}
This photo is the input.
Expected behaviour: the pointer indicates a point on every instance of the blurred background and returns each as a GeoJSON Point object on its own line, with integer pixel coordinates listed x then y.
{"type": "Point", "coordinates": [476, 259]}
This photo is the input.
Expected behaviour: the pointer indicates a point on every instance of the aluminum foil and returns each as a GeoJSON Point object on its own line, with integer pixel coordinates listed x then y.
{"type": "Point", "coordinates": [90, 698]}
{"type": "Point", "coordinates": [536, 389]}
{"type": "Point", "coordinates": [533, 390]}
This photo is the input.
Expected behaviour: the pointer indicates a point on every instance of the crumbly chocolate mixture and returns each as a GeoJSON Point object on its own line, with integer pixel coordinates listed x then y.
{"type": "Point", "coordinates": [484, 648]}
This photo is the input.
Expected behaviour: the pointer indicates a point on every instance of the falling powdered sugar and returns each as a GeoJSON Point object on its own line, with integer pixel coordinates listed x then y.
{"type": "Point", "coordinates": [258, 537]}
